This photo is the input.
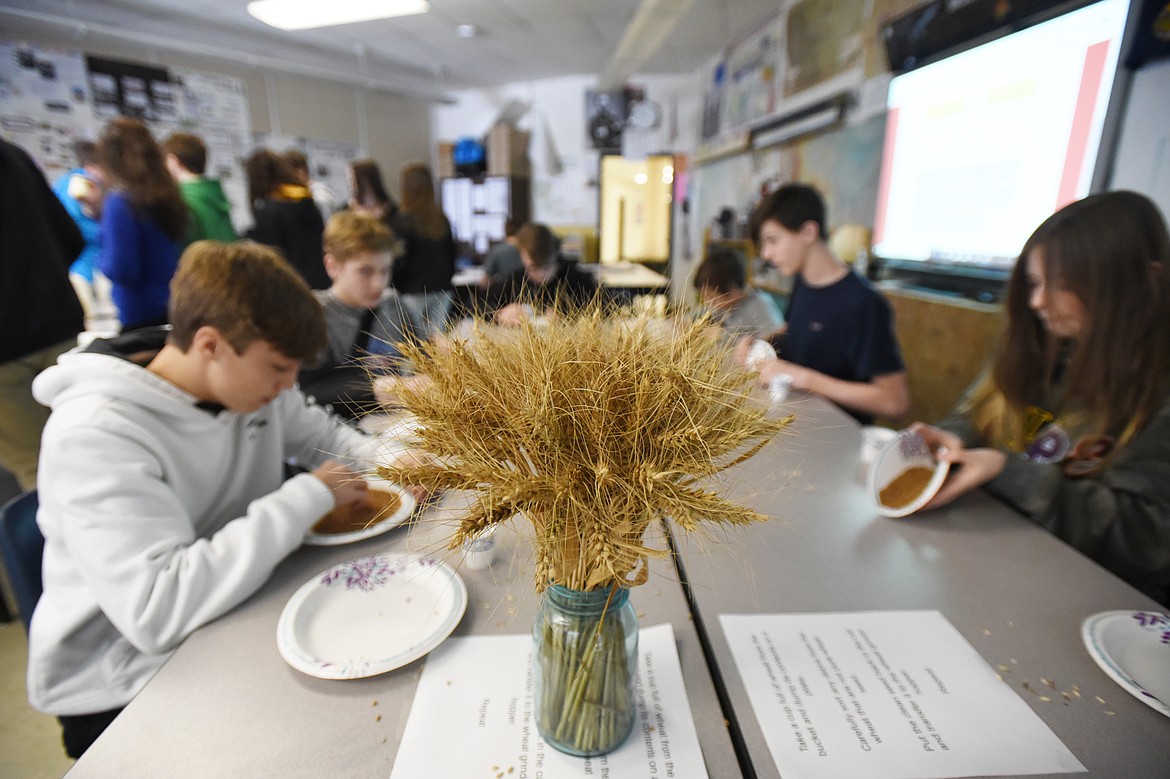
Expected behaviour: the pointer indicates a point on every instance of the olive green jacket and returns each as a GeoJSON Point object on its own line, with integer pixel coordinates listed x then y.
{"type": "Point", "coordinates": [1118, 516]}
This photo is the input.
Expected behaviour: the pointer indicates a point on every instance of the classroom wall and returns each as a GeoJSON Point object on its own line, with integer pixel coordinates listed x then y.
{"type": "Point", "coordinates": [395, 130]}
{"type": "Point", "coordinates": [565, 168]}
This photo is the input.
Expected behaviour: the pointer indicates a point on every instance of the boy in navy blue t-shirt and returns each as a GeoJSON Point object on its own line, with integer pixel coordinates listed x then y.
{"type": "Point", "coordinates": [839, 339]}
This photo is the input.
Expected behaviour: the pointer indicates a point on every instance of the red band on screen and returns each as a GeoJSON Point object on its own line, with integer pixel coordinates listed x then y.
{"type": "Point", "coordinates": [879, 218]}
{"type": "Point", "coordinates": [1078, 138]}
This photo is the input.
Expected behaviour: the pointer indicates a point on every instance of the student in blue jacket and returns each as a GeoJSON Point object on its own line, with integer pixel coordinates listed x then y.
{"type": "Point", "coordinates": [144, 224]}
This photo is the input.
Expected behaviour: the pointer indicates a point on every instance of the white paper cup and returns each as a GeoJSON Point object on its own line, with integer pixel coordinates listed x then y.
{"type": "Point", "coordinates": [907, 450]}
{"type": "Point", "coordinates": [873, 438]}
{"type": "Point", "coordinates": [779, 386]}
{"type": "Point", "coordinates": [480, 552]}
{"type": "Point", "coordinates": [760, 352]}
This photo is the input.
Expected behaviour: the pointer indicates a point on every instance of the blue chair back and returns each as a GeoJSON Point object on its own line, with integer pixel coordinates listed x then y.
{"type": "Point", "coordinates": [22, 546]}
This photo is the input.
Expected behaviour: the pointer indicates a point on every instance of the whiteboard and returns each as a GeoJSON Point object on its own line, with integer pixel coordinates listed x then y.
{"type": "Point", "coordinates": [1142, 162]}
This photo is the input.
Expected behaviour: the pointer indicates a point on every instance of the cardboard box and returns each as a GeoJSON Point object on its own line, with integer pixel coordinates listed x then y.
{"type": "Point", "coordinates": [507, 151]}
{"type": "Point", "coordinates": [446, 160]}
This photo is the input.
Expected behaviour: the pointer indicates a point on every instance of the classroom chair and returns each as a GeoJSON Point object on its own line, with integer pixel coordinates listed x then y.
{"type": "Point", "coordinates": [22, 546]}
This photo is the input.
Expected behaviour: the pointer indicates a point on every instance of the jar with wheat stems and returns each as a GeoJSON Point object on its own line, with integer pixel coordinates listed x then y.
{"type": "Point", "coordinates": [585, 669]}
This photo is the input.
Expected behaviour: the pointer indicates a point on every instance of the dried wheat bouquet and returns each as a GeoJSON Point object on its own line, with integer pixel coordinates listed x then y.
{"type": "Point", "coordinates": [591, 426]}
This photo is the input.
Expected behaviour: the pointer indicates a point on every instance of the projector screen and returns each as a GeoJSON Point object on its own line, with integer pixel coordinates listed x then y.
{"type": "Point", "coordinates": [982, 146]}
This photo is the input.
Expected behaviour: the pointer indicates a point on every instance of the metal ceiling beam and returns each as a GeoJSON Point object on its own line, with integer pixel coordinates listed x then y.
{"type": "Point", "coordinates": [652, 24]}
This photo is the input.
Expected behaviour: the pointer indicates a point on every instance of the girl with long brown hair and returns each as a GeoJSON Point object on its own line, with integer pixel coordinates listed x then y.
{"type": "Point", "coordinates": [144, 223]}
{"type": "Point", "coordinates": [1072, 423]}
{"type": "Point", "coordinates": [369, 192]}
{"type": "Point", "coordinates": [422, 274]}
{"type": "Point", "coordinates": [285, 216]}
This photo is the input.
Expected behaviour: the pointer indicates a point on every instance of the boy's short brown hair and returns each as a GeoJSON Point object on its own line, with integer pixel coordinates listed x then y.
{"type": "Point", "coordinates": [539, 242]}
{"type": "Point", "coordinates": [721, 272]}
{"type": "Point", "coordinates": [189, 150]}
{"type": "Point", "coordinates": [247, 292]}
{"type": "Point", "coordinates": [348, 234]}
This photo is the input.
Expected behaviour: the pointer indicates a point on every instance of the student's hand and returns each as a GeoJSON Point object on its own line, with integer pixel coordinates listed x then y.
{"type": "Point", "coordinates": [414, 457]}
{"type": "Point", "coordinates": [741, 350]}
{"type": "Point", "coordinates": [511, 315]}
{"type": "Point", "coordinates": [802, 378]}
{"type": "Point", "coordinates": [386, 388]}
{"type": "Point", "coordinates": [943, 445]}
{"type": "Point", "coordinates": [442, 343]}
{"type": "Point", "coordinates": [970, 468]}
{"type": "Point", "coordinates": [346, 485]}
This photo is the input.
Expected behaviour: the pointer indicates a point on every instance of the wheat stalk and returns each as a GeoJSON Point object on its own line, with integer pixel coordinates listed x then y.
{"type": "Point", "coordinates": [591, 426]}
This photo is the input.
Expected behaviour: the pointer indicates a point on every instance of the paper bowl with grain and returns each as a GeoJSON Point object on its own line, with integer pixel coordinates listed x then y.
{"type": "Point", "coordinates": [904, 475]}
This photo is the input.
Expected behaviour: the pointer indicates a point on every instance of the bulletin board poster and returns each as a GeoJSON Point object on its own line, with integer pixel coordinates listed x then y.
{"type": "Point", "coordinates": [825, 44]}
{"type": "Point", "coordinates": [809, 51]}
{"type": "Point", "coordinates": [51, 98]}
{"type": "Point", "coordinates": [44, 103]}
{"type": "Point", "coordinates": [329, 164]}
{"type": "Point", "coordinates": [132, 90]}
{"type": "Point", "coordinates": [750, 75]}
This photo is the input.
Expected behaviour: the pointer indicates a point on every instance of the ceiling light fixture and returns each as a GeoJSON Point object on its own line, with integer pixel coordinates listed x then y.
{"type": "Point", "coordinates": [307, 14]}
{"type": "Point", "coordinates": [467, 31]}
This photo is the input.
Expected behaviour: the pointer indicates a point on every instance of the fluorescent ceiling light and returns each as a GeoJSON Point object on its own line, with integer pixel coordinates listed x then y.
{"type": "Point", "coordinates": [306, 14]}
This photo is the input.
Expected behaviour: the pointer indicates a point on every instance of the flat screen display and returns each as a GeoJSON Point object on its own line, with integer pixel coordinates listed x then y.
{"type": "Point", "coordinates": [982, 146]}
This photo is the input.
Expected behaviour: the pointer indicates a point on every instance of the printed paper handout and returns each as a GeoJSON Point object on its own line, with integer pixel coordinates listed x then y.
{"type": "Point", "coordinates": [473, 716]}
{"type": "Point", "coordinates": [885, 695]}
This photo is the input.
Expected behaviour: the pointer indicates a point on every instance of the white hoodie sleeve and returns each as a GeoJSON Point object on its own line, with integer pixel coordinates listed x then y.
{"type": "Point", "coordinates": [133, 543]}
{"type": "Point", "coordinates": [314, 436]}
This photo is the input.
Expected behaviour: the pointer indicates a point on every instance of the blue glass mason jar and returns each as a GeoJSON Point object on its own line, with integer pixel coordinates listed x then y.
{"type": "Point", "coordinates": [585, 669]}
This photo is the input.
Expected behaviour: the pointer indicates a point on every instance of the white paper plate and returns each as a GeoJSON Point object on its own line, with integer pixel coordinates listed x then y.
{"type": "Point", "coordinates": [1132, 645]}
{"type": "Point", "coordinates": [370, 615]}
{"type": "Point", "coordinates": [405, 509]}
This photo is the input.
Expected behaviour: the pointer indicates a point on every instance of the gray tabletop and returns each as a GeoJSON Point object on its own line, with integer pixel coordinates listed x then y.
{"type": "Point", "coordinates": [1016, 593]}
{"type": "Point", "coordinates": [227, 705]}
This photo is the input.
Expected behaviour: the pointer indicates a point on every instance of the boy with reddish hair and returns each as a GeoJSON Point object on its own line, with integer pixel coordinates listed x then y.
{"type": "Point", "coordinates": [364, 318]}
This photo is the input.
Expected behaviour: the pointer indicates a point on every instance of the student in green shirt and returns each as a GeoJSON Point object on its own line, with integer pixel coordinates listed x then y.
{"type": "Point", "coordinates": [186, 157]}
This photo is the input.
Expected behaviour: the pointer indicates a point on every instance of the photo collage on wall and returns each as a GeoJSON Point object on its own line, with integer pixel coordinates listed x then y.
{"type": "Point", "coordinates": [51, 98]}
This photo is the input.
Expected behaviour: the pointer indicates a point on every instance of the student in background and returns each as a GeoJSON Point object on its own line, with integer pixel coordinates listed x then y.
{"type": "Point", "coordinates": [286, 218]}
{"type": "Point", "coordinates": [370, 195]}
{"type": "Point", "coordinates": [328, 202]}
{"type": "Point", "coordinates": [422, 273]}
{"type": "Point", "coordinates": [546, 280]}
{"type": "Point", "coordinates": [40, 315]}
{"type": "Point", "coordinates": [211, 213]}
{"type": "Point", "coordinates": [364, 319]}
{"type": "Point", "coordinates": [839, 340]}
{"type": "Point", "coordinates": [1071, 425]}
{"type": "Point", "coordinates": [81, 190]}
{"type": "Point", "coordinates": [163, 498]}
{"type": "Point", "coordinates": [504, 258]}
{"type": "Point", "coordinates": [144, 223]}
{"type": "Point", "coordinates": [723, 290]}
